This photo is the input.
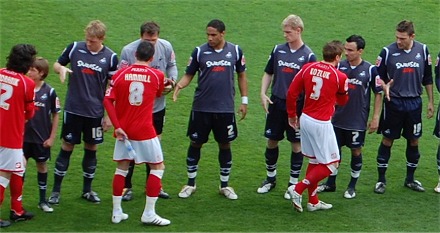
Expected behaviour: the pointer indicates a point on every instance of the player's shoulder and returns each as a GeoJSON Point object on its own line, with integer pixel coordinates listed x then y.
{"type": "Point", "coordinates": [164, 42]}
{"type": "Point", "coordinates": [132, 45]}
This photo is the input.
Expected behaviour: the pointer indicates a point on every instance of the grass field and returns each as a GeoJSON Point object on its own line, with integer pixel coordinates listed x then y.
{"type": "Point", "coordinates": [255, 25]}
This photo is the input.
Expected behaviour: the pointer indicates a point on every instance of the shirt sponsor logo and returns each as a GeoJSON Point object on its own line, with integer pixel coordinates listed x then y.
{"type": "Point", "coordinates": [94, 67]}
{"type": "Point", "coordinates": [218, 63]}
{"type": "Point", "coordinates": [291, 65]}
{"type": "Point", "coordinates": [411, 64]}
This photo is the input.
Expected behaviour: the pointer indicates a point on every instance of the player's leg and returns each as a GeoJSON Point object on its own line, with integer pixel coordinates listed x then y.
{"type": "Point", "coordinates": [436, 133]}
{"type": "Point", "coordinates": [127, 194]}
{"type": "Point", "coordinates": [296, 157]}
{"type": "Point", "coordinates": [153, 183]}
{"type": "Point", "coordinates": [274, 132]}
{"type": "Point", "coordinates": [225, 131]}
{"type": "Point", "coordinates": [4, 182]}
{"type": "Point", "coordinates": [118, 185]}
{"type": "Point", "coordinates": [92, 136]}
{"type": "Point", "coordinates": [18, 213]}
{"type": "Point", "coordinates": [41, 162]}
{"type": "Point", "coordinates": [70, 135]}
{"type": "Point", "coordinates": [355, 145]}
{"type": "Point", "coordinates": [412, 132]}
{"type": "Point", "coordinates": [158, 122]}
{"type": "Point", "coordinates": [199, 128]}
{"type": "Point", "coordinates": [390, 126]}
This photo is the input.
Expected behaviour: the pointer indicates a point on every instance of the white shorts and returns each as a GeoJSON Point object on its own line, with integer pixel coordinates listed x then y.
{"type": "Point", "coordinates": [318, 140]}
{"type": "Point", "coordinates": [147, 151]}
{"type": "Point", "coordinates": [12, 160]}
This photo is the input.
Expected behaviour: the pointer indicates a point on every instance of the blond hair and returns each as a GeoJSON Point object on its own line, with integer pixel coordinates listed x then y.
{"type": "Point", "coordinates": [293, 21]}
{"type": "Point", "coordinates": [96, 28]}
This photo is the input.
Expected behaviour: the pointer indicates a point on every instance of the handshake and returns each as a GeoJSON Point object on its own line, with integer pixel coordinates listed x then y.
{"type": "Point", "coordinates": [169, 85]}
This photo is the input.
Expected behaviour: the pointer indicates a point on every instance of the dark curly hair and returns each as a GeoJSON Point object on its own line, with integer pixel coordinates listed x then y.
{"type": "Point", "coordinates": [21, 58]}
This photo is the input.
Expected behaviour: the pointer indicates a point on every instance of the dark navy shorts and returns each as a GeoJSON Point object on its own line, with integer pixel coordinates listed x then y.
{"type": "Point", "coordinates": [277, 122]}
{"type": "Point", "coordinates": [352, 139]}
{"type": "Point", "coordinates": [75, 125]}
{"type": "Point", "coordinates": [223, 126]}
{"type": "Point", "coordinates": [36, 151]}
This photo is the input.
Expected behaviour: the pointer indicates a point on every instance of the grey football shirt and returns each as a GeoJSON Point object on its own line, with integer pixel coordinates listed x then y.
{"type": "Point", "coordinates": [88, 81]}
{"type": "Point", "coordinates": [164, 60]}
{"type": "Point", "coordinates": [215, 89]}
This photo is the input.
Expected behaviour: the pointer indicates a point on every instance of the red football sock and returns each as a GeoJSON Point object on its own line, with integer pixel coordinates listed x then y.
{"type": "Point", "coordinates": [302, 185]}
{"type": "Point", "coordinates": [16, 188]}
{"type": "Point", "coordinates": [318, 173]}
{"type": "Point", "coordinates": [118, 184]}
{"type": "Point", "coordinates": [153, 186]}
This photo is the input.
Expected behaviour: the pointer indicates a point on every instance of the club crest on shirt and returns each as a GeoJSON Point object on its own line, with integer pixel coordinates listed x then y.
{"type": "Point", "coordinates": [228, 55]}
{"type": "Point", "coordinates": [418, 56]}
{"type": "Point", "coordinates": [103, 60]}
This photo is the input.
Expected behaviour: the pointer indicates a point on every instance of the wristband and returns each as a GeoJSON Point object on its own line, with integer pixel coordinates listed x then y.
{"type": "Point", "coordinates": [244, 100]}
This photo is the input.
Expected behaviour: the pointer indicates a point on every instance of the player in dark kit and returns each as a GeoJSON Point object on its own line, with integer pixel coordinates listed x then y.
{"type": "Point", "coordinates": [41, 130]}
{"type": "Point", "coordinates": [404, 66]}
{"type": "Point", "coordinates": [92, 65]}
{"type": "Point", "coordinates": [437, 121]}
{"type": "Point", "coordinates": [350, 121]}
{"type": "Point", "coordinates": [213, 105]}
{"type": "Point", "coordinates": [284, 62]}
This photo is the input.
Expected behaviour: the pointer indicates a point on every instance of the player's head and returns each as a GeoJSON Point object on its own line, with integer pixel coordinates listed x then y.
{"type": "Point", "coordinates": [215, 30]}
{"type": "Point", "coordinates": [150, 31]}
{"type": "Point", "coordinates": [145, 51]}
{"type": "Point", "coordinates": [354, 47]}
{"type": "Point", "coordinates": [332, 51]}
{"type": "Point", "coordinates": [21, 58]}
{"type": "Point", "coordinates": [39, 69]}
{"type": "Point", "coordinates": [292, 27]}
{"type": "Point", "coordinates": [405, 34]}
{"type": "Point", "coordinates": [95, 35]}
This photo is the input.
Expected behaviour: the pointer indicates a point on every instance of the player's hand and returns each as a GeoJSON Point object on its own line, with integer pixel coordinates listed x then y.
{"type": "Point", "coordinates": [176, 92]}
{"type": "Point", "coordinates": [106, 124]}
{"type": "Point", "coordinates": [293, 122]}
{"type": "Point", "coordinates": [63, 72]}
{"type": "Point", "coordinates": [242, 111]}
{"type": "Point", "coordinates": [169, 86]}
{"type": "Point", "coordinates": [373, 125]}
{"type": "Point", "coordinates": [265, 100]}
{"type": "Point", "coordinates": [386, 88]}
{"type": "Point", "coordinates": [120, 134]}
{"type": "Point", "coordinates": [48, 143]}
{"type": "Point", "coordinates": [430, 112]}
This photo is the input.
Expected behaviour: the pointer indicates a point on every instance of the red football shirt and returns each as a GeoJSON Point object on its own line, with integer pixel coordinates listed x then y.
{"type": "Point", "coordinates": [16, 106]}
{"type": "Point", "coordinates": [130, 98]}
{"type": "Point", "coordinates": [324, 86]}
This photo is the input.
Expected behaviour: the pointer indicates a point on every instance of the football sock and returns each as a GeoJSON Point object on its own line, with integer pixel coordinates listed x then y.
{"type": "Point", "coordinates": [438, 159]}
{"type": "Point", "coordinates": [383, 156]}
{"type": "Point", "coordinates": [3, 185]}
{"type": "Point", "coordinates": [16, 189]}
{"type": "Point", "coordinates": [118, 182]}
{"type": "Point", "coordinates": [296, 161]}
{"type": "Point", "coordinates": [192, 161]}
{"type": "Point", "coordinates": [89, 166]}
{"type": "Point", "coordinates": [150, 205]}
{"type": "Point", "coordinates": [61, 166]}
{"type": "Point", "coordinates": [271, 163]}
{"type": "Point", "coordinates": [313, 194]}
{"type": "Point", "coordinates": [42, 185]}
{"type": "Point", "coordinates": [316, 173]}
{"type": "Point", "coordinates": [225, 161]}
{"type": "Point", "coordinates": [117, 208]}
{"type": "Point", "coordinates": [154, 183]}
{"type": "Point", "coordinates": [356, 166]}
{"type": "Point", "coordinates": [412, 160]}
{"type": "Point", "coordinates": [302, 185]}
{"type": "Point", "coordinates": [128, 183]}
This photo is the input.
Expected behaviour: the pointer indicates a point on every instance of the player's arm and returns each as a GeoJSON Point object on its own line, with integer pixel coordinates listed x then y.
{"type": "Point", "coordinates": [376, 88]}
{"type": "Point", "coordinates": [60, 65]}
{"type": "Point", "coordinates": [266, 80]}
{"type": "Point", "coordinates": [342, 94]}
{"type": "Point", "coordinates": [243, 87]}
{"type": "Point", "coordinates": [428, 83]}
{"type": "Point", "coordinates": [190, 71]}
{"type": "Point", "coordinates": [295, 89]}
{"type": "Point", "coordinates": [106, 122]}
{"type": "Point", "coordinates": [55, 113]}
{"type": "Point", "coordinates": [29, 108]}
{"type": "Point", "coordinates": [437, 72]}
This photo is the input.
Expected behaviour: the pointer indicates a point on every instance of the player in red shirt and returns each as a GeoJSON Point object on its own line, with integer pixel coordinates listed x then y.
{"type": "Point", "coordinates": [129, 104]}
{"type": "Point", "coordinates": [16, 106]}
{"type": "Point", "coordinates": [324, 86]}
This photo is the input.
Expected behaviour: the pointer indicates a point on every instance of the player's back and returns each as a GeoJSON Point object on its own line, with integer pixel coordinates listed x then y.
{"type": "Point", "coordinates": [135, 89]}
{"type": "Point", "coordinates": [321, 83]}
{"type": "Point", "coordinates": [17, 91]}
